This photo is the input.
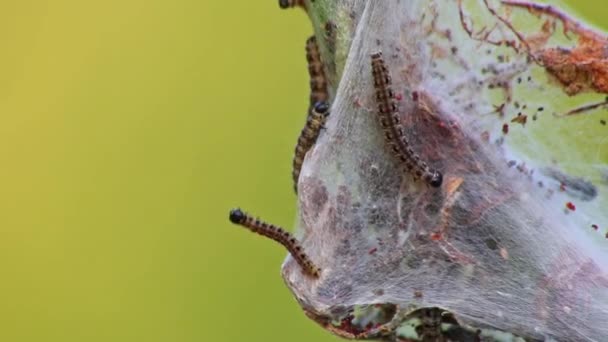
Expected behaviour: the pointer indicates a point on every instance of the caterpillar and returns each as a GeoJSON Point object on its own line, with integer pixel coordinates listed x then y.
{"type": "Point", "coordinates": [318, 80]}
{"type": "Point", "coordinates": [391, 125]}
{"type": "Point", "coordinates": [278, 234]}
{"type": "Point", "coordinates": [317, 110]}
{"type": "Point", "coordinates": [291, 3]}
{"type": "Point", "coordinates": [314, 122]}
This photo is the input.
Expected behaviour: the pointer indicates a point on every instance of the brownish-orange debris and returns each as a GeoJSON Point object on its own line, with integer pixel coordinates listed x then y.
{"type": "Point", "coordinates": [520, 118]}
{"type": "Point", "coordinates": [581, 68]}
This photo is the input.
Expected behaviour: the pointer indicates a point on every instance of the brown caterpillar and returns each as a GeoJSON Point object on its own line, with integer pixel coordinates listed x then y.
{"type": "Point", "coordinates": [278, 234]}
{"type": "Point", "coordinates": [318, 80]}
{"type": "Point", "coordinates": [308, 137]}
{"type": "Point", "coordinates": [317, 110]}
{"type": "Point", "coordinates": [291, 3]}
{"type": "Point", "coordinates": [393, 131]}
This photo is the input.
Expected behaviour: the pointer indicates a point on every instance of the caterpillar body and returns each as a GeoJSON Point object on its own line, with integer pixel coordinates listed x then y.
{"type": "Point", "coordinates": [394, 134]}
{"type": "Point", "coordinates": [278, 234]}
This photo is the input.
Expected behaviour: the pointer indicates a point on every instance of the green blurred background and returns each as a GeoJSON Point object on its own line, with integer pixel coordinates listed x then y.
{"type": "Point", "coordinates": [128, 129]}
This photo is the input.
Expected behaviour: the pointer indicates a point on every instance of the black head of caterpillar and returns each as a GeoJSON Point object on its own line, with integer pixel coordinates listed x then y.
{"type": "Point", "coordinates": [308, 137]}
{"type": "Point", "coordinates": [278, 234]}
{"type": "Point", "coordinates": [393, 131]}
{"type": "Point", "coordinates": [318, 80]}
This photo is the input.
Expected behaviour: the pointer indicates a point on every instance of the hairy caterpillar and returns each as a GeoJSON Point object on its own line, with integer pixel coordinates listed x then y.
{"type": "Point", "coordinates": [393, 131]}
{"type": "Point", "coordinates": [318, 80]}
{"type": "Point", "coordinates": [308, 137]}
{"type": "Point", "coordinates": [278, 234]}
{"type": "Point", "coordinates": [291, 3]}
